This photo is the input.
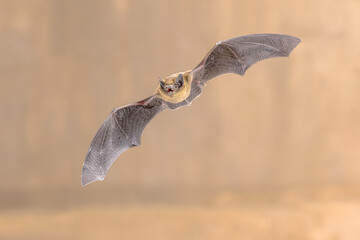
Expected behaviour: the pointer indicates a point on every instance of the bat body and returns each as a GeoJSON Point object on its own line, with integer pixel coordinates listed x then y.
{"type": "Point", "coordinates": [123, 128]}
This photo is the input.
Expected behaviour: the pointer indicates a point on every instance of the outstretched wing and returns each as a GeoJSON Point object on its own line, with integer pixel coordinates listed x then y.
{"type": "Point", "coordinates": [121, 130]}
{"type": "Point", "coordinates": [237, 54]}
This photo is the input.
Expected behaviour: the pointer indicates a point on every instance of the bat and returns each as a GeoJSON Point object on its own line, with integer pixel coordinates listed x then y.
{"type": "Point", "coordinates": [123, 128]}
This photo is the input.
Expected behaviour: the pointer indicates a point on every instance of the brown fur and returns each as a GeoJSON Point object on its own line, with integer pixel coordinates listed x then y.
{"type": "Point", "coordinates": [182, 93]}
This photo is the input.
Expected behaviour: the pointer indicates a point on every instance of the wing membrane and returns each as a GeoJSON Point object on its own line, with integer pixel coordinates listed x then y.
{"type": "Point", "coordinates": [237, 54]}
{"type": "Point", "coordinates": [121, 130]}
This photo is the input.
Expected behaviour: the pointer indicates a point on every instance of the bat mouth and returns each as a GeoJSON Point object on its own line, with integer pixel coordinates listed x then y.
{"type": "Point", "coordinates": [170, 90]}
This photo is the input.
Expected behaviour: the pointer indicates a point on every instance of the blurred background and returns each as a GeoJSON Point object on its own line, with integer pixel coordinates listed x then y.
{"type": "Point", "coordinates": [271, 155]}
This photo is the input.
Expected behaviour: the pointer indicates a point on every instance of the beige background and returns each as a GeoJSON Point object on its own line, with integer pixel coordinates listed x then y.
{"type": "Point", "coordinates": [272, 155]}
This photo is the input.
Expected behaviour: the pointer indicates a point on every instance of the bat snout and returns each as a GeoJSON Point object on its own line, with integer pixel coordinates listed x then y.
{"type": "Point", "coordinates": [170, 89]}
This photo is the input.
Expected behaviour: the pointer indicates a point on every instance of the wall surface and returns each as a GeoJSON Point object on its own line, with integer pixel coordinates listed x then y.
{"type": "Point", "coordinates": [271, 155]}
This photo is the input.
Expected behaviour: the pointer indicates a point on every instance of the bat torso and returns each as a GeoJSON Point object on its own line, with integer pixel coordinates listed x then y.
{"type": "Point", "coordinates": [180, 94]}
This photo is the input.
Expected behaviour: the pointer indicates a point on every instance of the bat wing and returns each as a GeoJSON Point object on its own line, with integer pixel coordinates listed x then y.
{"type": "Point", "coordinates": [121, 130]}
{"type": "Point", "coordinates": [237, 54]}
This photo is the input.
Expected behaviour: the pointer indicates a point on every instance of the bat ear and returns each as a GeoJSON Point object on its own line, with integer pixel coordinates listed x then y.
{"type": "Point", "coordinates": [179, 80]}
{"type": "Point", "coordinates": [162, 83]}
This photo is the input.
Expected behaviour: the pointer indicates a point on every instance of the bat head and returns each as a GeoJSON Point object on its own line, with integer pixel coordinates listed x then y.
{"type": "Point", "coordinates": [176, 87]}
{"type": "Point", "coordinates": [172, 84]}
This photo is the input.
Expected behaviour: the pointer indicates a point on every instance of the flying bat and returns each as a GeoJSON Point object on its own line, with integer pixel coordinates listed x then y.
{"type": "Point", "coordinates": [123, 128]}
